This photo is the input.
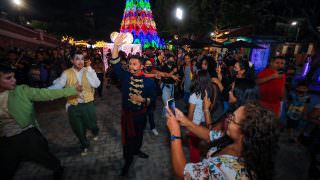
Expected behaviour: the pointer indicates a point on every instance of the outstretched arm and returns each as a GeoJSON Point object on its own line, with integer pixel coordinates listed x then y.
{"type": "Point", "coordinates": [36, 94]}
{"type": "Point", "coordinates": [60, 82]}
{"type": "Point", "coordinates": [116, 66]}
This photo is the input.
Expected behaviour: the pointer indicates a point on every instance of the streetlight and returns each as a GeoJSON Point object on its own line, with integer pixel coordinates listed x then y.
{"type": "Point", "coordinates": [179, 13]}
{"type": "Point", "coordinates": [295, 23]}
{"type": "Point", "coordinates": [179, 16]}
{"type": "Point", "coordinates": [212, 34]}
{"type": "Point", "coordinates": [18, 3]}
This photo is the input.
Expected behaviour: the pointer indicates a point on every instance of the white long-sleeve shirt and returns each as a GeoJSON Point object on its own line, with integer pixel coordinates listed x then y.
{"type": "Point", "coordinates": [92, 78]}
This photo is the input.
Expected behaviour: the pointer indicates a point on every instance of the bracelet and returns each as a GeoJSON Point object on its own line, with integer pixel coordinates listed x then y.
{"type": "Point", "coordinates": [173, 137]}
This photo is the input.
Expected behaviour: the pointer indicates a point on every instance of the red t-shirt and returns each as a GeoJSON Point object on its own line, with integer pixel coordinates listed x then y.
{"type": "Point", "coordinates": [271, 92]}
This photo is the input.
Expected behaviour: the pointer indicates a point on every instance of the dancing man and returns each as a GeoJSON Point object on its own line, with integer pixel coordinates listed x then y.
{"type": "Point", "coordinates": [20, 138]}
{"type": "Point", "coordinates": [137, 94]}
{"type": "Point", "coordinates": [81, 109]}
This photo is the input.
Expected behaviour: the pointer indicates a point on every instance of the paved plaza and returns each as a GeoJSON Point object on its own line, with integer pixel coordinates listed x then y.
{"type": "Point", "coordinates": [104, 160]}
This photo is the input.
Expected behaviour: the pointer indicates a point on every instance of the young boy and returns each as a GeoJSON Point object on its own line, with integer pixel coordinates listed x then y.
{"type": "Point", "coordinates": [138, 92]}
{"type": "Point", "coordinates": [20, 138]}
{"type": "Point", "coordinates": [81, 109]}
{"type": "Point", "coordinates": [297, 107]}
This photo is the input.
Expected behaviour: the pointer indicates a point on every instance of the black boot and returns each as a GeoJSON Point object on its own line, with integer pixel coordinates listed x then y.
{"type": "Point", "coordinates": [125, 169]}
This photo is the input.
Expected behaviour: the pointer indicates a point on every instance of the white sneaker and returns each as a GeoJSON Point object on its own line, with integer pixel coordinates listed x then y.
{"type": "Point", "coordinates": [155, 132]}
{"type": "Point", "coordinates": [84, 152]}
{"type": "Point", "coordinates": [96, 138]}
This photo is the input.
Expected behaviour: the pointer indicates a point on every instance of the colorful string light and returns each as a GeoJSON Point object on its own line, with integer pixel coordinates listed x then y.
{"type": "Point", "coordinates": [138, 20]}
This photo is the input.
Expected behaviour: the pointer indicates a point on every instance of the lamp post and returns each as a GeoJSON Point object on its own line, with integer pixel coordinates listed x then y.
{"type": "Point", "coordinates": [18, 4]}
{"type": "Point", "coordinates": [296, 24]}
{"type": "Point", "coordinates": [179, 16]}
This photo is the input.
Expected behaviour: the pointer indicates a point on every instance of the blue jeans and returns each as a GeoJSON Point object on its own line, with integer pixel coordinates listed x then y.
{"type": "Point", "coordinates": [167, 93]}
{"type": "Point", "coordinates": [186, 96]}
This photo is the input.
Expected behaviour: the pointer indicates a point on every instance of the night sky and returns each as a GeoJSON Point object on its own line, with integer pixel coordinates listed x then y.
{"type": "Point", "coordinates": [107, 14]}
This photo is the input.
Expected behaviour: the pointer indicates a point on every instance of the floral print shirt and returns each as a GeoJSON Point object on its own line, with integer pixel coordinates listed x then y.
{"type": "Point", "coordinates": [222, 167]}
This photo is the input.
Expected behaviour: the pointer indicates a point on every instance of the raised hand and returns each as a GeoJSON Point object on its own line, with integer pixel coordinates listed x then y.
{"type": "Point", "coordinates": [172, 123]}
{"type": "Point", "coordinates": [120, 40]}
{"type": "Point", "coordinates": [183, 120]}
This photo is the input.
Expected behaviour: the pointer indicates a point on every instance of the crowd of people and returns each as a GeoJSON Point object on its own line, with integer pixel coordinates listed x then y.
{"type": "Point", "coordinates": [227, 105]}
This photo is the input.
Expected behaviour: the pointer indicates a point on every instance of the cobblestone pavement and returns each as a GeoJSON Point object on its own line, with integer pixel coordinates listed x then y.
{"type": "Point", "coordinates": [104, 160]}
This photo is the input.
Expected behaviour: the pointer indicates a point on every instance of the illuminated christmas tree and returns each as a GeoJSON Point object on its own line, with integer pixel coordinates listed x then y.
{"type": "Point", "coordinates": [138, 20]}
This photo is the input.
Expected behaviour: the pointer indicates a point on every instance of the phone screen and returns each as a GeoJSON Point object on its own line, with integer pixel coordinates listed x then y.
{"type": "Point", "coordinates": [280, 71]}
{"type": "Point", "coordinates": [172, 106]}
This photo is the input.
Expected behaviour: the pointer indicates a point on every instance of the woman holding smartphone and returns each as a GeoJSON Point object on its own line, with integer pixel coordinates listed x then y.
{"type": "Point", "coordinates": [249, 155]}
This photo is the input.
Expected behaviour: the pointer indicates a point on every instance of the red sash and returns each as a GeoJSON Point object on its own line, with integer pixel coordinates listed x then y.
{"type": "Point", "coordinates": [127, 124]}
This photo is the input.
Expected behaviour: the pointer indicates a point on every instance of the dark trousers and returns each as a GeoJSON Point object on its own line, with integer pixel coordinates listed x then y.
{"type": "Point", "coordinates": [83, 117]}
{"type": "Point", "coordinates": [29, 145]}
{"type": "Point", "coordinates": [133, 144]}
{"type": "Point", "coordinates": [150, 116]}
{"type": "Point", "coordinates": [99, 89]}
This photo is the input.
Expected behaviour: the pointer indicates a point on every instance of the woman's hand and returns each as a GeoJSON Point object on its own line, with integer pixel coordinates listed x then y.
{"type": "Point", "coordinates": [183, 120]}
{"type": "Point", "coordinates": [172, 123]}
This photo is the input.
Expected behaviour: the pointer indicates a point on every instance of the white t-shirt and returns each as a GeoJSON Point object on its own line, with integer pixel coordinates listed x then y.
{"type": "Point", "coordinates": [198, 115]}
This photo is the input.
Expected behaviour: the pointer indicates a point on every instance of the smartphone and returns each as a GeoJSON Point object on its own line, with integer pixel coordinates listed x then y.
{"type": "Point", "coordinates": [280, 71]}
{"type": "Point", "coordinates": [171, 105]}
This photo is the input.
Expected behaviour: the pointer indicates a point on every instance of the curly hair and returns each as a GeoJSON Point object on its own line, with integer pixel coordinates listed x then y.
{"type": "Point", "coordinates": [260, 141]}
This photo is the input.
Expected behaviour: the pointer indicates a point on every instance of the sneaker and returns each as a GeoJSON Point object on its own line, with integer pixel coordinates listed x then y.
{"type": "Point", "coordinates": [84, 152]}
{"type": "Point", "coordinates": [155, 132]}
{"type": "Point", "coordinates": [96, 138]}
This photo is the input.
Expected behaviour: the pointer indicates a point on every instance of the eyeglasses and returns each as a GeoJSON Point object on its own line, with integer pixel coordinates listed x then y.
{"type": "Point", "coordinates": [231, 118]}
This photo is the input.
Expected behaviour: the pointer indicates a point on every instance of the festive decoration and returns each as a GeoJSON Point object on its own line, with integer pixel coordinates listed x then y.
{"type": "Point", "coordinates": [138, 20]}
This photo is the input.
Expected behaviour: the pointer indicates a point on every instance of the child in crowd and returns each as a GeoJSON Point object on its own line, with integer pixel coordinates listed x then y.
{"type": "Point", "coordinates": [297, 108]}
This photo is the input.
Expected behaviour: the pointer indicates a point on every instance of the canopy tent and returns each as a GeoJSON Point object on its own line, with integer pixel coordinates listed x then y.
{"type": "Point", "coordinates": [241, 44]}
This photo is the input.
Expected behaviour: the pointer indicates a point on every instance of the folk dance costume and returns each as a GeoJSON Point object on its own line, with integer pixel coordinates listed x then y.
{"type": "Point", "coordinates": [20, 138]}
{"type": "Point", "coordinates": [133, 119]}
{"type": "Point", "coordinates": [80, 108]}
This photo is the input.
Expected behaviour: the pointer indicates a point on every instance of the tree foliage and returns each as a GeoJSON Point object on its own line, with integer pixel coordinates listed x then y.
{"type": "Point", "coordinates": [204, 16]}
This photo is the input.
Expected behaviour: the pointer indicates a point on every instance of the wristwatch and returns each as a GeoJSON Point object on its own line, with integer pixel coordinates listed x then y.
{"type": "Point", "coordinates": [172, 138]}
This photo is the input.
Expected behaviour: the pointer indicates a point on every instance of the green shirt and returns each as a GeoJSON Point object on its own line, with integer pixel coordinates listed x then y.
{"type": "Point", "coordinates": [20, 102]}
